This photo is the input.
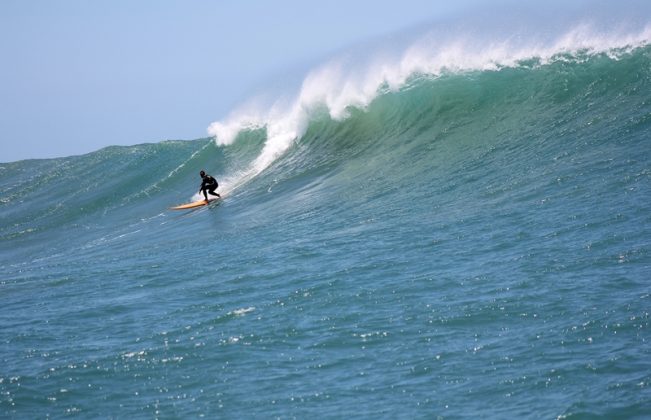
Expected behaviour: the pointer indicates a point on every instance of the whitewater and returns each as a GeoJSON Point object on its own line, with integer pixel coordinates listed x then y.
{"type": "Point", "coordinates": [454, 222]}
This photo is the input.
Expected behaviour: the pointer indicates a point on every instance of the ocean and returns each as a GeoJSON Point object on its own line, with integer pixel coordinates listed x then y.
{"type": "Point", "coordinates": [449, 241]}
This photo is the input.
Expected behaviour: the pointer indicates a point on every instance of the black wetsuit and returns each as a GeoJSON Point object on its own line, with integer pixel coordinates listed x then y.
{"type": "Point", "coordinates": [209, 184]}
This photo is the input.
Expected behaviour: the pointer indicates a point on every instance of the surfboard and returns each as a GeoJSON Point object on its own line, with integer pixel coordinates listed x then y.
{"type": "Point", "coordinates": [194, 204]}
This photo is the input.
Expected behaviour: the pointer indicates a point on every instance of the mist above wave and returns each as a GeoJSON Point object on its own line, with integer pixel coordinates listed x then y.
{"type": "Point", "coordinates": [486, 41]}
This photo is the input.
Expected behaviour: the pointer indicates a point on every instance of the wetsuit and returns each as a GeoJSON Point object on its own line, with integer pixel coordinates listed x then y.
{"type": "Point", "coordinates": [209, 184]}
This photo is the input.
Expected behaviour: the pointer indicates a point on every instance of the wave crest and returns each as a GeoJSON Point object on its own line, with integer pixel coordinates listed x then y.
{"type": "Point", "coordinates": [354, 79]}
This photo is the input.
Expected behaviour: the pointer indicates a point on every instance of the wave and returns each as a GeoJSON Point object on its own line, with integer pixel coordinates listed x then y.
{"type": "Point", "coordinates": [354, 79]}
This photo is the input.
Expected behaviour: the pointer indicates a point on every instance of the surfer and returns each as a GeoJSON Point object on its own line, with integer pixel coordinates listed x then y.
{"type": "Point", "coordinates": [208, 185]}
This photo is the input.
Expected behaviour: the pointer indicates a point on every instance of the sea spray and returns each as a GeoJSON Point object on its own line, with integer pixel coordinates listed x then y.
{"type": "Point", "coordinates": [348, 81]}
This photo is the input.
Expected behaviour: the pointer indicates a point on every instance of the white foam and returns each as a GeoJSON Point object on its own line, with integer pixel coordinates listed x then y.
{"type": "Point", "coordinates": [242, 311]}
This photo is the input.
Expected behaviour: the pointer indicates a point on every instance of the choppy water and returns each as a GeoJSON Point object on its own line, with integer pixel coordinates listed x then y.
{"type": "Point", "coordinates": [474, 244]}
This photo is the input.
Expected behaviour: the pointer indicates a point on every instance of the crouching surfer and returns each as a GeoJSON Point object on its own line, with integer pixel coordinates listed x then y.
{"type": "Point", "coordinates": [208, 185]}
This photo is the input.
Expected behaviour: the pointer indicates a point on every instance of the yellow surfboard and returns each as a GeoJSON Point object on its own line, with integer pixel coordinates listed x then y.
{"type": "Point", "coordinates": [194, 204]}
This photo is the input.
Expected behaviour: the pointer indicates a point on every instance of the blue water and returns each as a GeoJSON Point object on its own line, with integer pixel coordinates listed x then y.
{"type": "Point", "coordinates": [475, 244]}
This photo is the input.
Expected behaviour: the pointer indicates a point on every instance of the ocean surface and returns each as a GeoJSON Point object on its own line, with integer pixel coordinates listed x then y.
{"type": "Point", "coordinates": [462, 242]}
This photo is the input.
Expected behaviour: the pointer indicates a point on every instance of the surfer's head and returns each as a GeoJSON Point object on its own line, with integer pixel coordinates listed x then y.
{"type": "Point", "coordinates": [202, 173]}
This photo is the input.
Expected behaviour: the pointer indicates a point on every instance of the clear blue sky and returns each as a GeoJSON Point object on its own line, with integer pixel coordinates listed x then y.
{"type": "Point", "coordinates": [78, 75]}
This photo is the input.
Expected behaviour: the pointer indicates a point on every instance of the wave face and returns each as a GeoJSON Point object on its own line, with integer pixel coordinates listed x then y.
{"type": "Point", "coordinates": [501, 40]}
{"type": "Point", "coordinates": [465, 241]}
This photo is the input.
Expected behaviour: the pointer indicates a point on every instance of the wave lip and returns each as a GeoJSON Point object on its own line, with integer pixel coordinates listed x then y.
{"type": "Point", "coordinates": [354, 80]}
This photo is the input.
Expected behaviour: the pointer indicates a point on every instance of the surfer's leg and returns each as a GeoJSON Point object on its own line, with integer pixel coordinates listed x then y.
{"type": "Point", "coordinates": [212, 192]}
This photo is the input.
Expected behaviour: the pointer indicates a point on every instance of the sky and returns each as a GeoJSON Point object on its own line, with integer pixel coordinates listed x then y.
{"type": "Point", "coordinates": [79, 75]}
